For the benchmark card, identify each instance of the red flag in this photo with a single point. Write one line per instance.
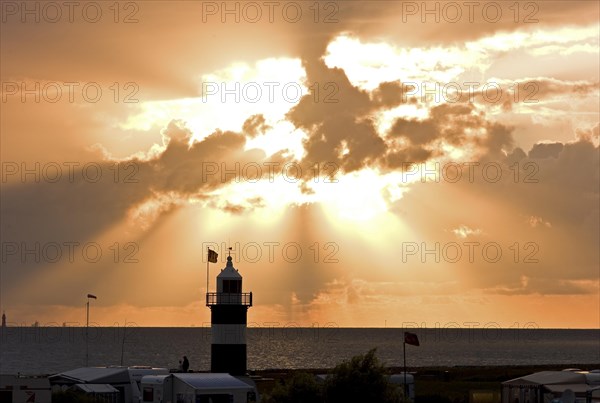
(212, 256)
(92, 296)
(411, 338)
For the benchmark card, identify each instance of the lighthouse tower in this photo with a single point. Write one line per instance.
(229, 313)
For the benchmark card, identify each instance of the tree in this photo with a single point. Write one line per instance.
(362, 379)
(300, 388)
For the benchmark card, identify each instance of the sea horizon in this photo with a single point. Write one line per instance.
(40, 350)
(129, 325)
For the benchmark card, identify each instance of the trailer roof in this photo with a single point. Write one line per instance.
(94, 374)
(154, 378)
(212, 381)
(575, 387)
(549, 378)
(96, 388)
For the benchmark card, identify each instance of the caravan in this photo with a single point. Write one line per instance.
(126, 380)
(197, 388)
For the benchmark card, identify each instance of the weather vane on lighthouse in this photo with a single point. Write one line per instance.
(229, 317)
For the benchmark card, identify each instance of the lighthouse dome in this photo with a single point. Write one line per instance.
(229, 272)
(229, 280)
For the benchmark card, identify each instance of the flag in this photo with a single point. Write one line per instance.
(212, 256)
(91, 296)
(411, 338)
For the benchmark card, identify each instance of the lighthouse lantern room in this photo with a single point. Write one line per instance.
(229, 313)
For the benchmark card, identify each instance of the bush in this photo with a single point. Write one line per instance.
(300, 388)
(362, 379)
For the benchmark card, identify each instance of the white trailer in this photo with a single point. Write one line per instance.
(137, 373)
(157, 389)
(196, 388)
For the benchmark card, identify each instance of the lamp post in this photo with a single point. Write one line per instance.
(87, 327)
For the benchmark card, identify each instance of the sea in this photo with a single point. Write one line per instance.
(49, 350)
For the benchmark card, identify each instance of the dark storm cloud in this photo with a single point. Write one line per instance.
(545, 150)
(343, 132)
(416, 131)
(391, 93)
(447, 122)
(399, 159)
(340, 130)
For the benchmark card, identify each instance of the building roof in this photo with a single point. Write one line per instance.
(212, 381)
(229, 272)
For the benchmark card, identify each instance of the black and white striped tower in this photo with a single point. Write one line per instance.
(229, 313)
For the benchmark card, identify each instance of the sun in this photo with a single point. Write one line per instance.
(354, 196)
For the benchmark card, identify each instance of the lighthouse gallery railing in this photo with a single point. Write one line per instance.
(225, 298)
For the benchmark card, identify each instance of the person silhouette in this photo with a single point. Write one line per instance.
(186, 364)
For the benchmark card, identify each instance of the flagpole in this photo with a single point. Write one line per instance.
(405, 368)
(207, 263)
(87, 326)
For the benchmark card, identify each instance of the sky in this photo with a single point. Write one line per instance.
(369, 164)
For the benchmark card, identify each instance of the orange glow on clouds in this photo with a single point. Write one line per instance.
(372, 243)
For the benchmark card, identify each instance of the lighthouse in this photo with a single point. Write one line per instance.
(229, 318)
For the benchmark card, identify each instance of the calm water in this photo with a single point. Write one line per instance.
(54, 349)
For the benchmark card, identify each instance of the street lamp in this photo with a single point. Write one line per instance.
(87, 326)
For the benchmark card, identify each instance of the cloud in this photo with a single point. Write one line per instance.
(340, 120)
(464, 231)
(542, 286)
(87, 201)
(535, 221)
(343, 132)
(254, 125)
(339, 128)
(544, 212)
(546, 150)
